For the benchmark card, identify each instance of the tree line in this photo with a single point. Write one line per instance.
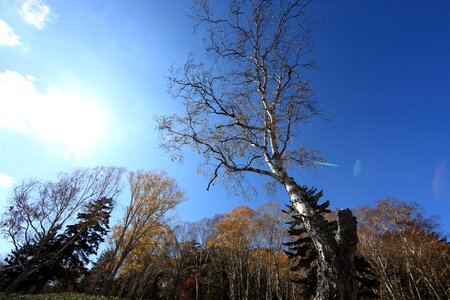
(63, 241)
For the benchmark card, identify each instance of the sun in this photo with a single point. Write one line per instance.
(51, 114)
(74, 121)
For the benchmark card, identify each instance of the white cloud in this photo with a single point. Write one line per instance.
(35, 12)
(52, 114)
(6, 181)
(7, 35)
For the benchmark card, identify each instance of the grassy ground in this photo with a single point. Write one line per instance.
(62, 296)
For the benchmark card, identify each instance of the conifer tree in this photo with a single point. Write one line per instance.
(84, 238)
(62, 258)
(302, 249)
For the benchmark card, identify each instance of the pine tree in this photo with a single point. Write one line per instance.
(62, 257)
(84, 238)
(302, 249)
(27, 257)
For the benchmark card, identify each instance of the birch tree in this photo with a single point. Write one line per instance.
(244, 107)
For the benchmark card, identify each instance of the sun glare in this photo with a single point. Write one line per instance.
(52, 115)
(71, 120)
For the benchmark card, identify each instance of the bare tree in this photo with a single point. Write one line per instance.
(39, 210)
(244, 110)
(420, 267)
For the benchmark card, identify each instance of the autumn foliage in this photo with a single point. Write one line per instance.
(409, 257)
(247, 253)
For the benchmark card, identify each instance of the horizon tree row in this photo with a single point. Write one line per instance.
(57, 228)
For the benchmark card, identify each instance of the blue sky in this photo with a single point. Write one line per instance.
(81, 82)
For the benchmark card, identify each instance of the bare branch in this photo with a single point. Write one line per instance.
(242, 112)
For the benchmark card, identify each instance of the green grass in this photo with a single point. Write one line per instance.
(61, 296)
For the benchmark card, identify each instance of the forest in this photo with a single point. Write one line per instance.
(245, 113)
(63, 242)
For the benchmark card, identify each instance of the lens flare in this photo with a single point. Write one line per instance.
(326, 164)
(357, 168)
(439, 180)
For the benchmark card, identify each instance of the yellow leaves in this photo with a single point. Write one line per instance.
(244, 228)
(218, 133)
(142, 253)
(236, 230)
(400, 243)
(153, 195)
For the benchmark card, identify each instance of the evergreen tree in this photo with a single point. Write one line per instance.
(28, 257)
(302, 249)
(83, 239)
(61, 257)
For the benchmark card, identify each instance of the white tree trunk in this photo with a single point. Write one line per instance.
(336, 268)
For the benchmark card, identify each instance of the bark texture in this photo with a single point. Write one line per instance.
(336, 270)
(336, 273)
